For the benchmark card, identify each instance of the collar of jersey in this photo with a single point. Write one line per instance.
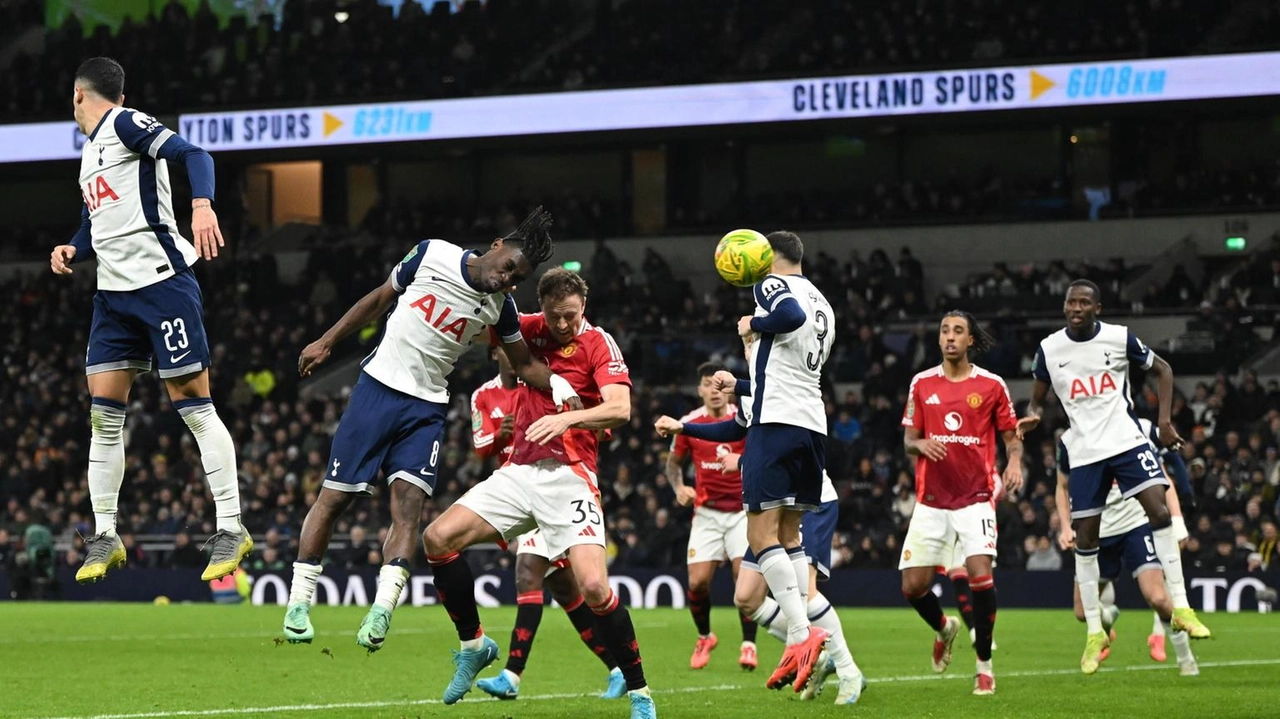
(1097, 329)
(466, 274)
(99, 125)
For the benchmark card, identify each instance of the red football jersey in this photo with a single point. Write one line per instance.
(716, 488)
(490, 404)
(591, 361)
(965, 417)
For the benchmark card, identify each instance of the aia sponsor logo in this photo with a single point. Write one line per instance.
(97, 192)
(1092, 385)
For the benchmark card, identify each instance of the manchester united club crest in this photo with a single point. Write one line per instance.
(568, 350)
(975, 400)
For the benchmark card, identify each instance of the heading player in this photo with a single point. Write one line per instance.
(719, 531)
(790, 338)
(751, 592)
(953, 414)
(549, 483)
(1124, 538)
(148, 304)
(1087, 364)
(493, 414)
(444, 296)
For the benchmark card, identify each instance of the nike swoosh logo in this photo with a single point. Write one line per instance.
(425, 473)
(178, 358)
(1064, 364)
(295, 630)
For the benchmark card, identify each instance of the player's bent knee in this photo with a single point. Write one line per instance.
(747, 602)
(596, 590)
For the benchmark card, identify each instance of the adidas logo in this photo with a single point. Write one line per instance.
(588, 532)
(497, 413)
(933, 399)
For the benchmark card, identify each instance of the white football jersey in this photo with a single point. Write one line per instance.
(437, 317)
(126, 190)
(1091, 379)
(1119, 515)
(786, 369)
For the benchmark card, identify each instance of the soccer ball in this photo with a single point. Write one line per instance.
(743, 257)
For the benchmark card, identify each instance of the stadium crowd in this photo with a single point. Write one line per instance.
(361, 51)
(664, 329)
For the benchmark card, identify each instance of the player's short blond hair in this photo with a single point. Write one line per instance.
(558, 283)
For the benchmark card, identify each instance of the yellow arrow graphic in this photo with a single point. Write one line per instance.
(1039, 85)
(331, 123)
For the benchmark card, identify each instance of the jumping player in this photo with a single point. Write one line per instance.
(719, 531)
(790, 338)
(148, 305)
(751, 592)
(444, 296)
(953, 414)
(1124, 538)
(549, 483)
(493, 414)
(1087, 364)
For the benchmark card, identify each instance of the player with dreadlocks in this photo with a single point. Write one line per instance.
(952, 416)
(395, 420)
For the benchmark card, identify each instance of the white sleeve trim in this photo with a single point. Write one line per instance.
(514, 337)
(163, 137)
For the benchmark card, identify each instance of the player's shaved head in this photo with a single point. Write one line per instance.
(786, 245)
(1089, 285)
(103, 77)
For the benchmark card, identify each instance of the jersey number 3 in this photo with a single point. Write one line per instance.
(814, 360)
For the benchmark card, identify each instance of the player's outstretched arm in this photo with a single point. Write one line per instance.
(539, 376)
(1039, 391)
(614, 410)
(685, 495)
(1013, 454)
(916, 445)
(364, 311)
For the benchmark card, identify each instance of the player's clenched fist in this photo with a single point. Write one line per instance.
(724, 381)
(60, 259)
(667, 426)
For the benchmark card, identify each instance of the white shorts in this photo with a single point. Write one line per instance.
(937, 536)
(557, 498)
(717, 536)
(532, 543)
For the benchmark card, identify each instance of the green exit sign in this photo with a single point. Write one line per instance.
(1236, 244)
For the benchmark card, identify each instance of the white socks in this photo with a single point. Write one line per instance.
(780, 574)
(106, 462)
(391, 581)
(1087, 575)
(303, 587)
(1157, 626)
(1171, 562)
(1181, 642)
(824, 616)
(218, 456)
(770, 616)
(800, 562)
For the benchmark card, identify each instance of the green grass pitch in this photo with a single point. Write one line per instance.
(143, 661)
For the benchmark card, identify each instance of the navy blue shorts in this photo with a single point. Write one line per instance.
(817, 530)
(164, 321)
(1134, 470)
(782, 467)
(388, 430)
(1135, 549)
